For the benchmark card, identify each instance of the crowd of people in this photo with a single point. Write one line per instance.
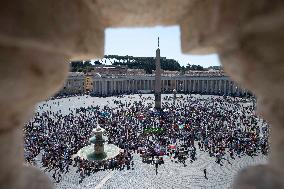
(223, 127)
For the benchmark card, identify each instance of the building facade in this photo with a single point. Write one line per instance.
(107, 85)
(74, 84)
(213, 85)
(110, 70)
(88, 83)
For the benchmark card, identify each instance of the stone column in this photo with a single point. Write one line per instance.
(203, 86)
(197, 85)
(124, 85)
(100, 87)
(215, 86)
(131, 85)
(119, 86)
(142, 84)
(211, 86)
(136, 85)
(106, 87)
(128, 86)
(223, 87)
(113, 86)
(110, 87)
(220, 89)
(230, 87)
(207, 86)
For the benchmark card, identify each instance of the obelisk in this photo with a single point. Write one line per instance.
(158, 80)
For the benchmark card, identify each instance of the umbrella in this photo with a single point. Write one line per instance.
(172, 147)
(105, 114)
(141, 116)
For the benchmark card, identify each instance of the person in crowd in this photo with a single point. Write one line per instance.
(222, 127)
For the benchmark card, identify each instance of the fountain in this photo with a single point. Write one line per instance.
(98, 150)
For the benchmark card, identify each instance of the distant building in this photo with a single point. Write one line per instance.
(205, 73)
(88, 84)
(110, 70)
(74, 83)
(193, 82)
(135, 72)
(215, 68)
(167, 72)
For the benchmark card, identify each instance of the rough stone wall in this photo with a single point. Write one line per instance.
(38, 38)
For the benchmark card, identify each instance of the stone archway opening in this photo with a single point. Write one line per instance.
(38, 38)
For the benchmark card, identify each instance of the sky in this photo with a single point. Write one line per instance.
(143, 42)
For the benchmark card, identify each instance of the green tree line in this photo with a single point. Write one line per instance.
(146, 63)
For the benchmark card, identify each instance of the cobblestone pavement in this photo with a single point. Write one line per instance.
(170, 175)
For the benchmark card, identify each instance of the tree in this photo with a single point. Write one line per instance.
(80, 66)
(97, 62)
(194, 67)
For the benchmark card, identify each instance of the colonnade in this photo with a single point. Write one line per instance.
(219, 85)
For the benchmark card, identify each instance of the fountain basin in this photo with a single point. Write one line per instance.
(88, 153)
